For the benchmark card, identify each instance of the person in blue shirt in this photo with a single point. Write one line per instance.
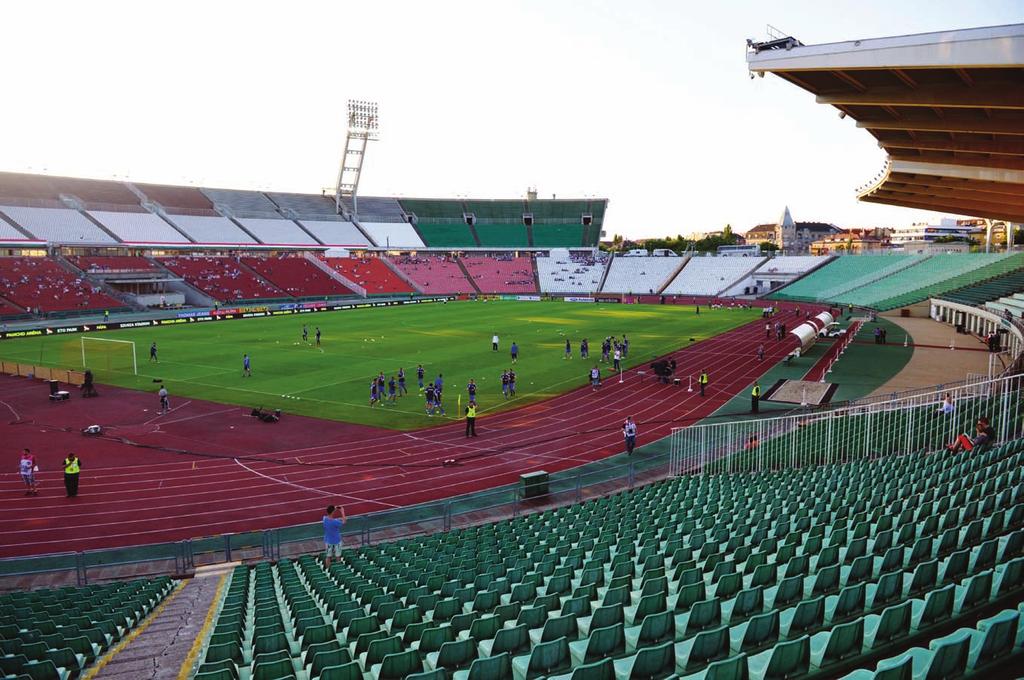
(333, 520)
(391, 389)
(246, 366)
(152, 353)
(401, 382)
(438, 383)
(419, 375)
(515, 352)
(471, 389)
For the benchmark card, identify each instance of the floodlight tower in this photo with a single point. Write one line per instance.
(362, 128)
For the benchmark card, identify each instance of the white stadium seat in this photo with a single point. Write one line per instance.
(639, 275)
(138, 227)
(57, 225)
(392, 234)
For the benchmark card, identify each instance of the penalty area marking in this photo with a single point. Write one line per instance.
(311, 489)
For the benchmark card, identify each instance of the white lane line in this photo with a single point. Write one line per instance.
(313, 490)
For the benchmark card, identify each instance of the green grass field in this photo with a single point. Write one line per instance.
(204, 360)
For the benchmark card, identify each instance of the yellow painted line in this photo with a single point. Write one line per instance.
(186, 665)
(125, 641)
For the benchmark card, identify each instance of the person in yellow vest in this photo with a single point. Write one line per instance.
(72, 468)
(755, 396)
(471, 420)
(703, 381)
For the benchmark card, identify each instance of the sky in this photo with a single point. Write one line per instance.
(647, 103)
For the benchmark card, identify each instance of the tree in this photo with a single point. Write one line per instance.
(768, 247)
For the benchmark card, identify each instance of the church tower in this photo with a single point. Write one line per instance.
(785, 232)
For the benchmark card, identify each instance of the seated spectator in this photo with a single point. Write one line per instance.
(984, 436)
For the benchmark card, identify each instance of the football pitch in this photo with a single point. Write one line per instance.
(204, 360)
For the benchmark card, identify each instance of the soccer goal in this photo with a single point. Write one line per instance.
(110, 355)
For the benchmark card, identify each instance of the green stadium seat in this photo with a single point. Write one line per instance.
(325, 659)
(946, 657)
(220, 674)
(900, 668)
(497, 667)
(378, 649)
(701, 649)
(546, 658)
(733, 668)
(655, 629)
(755, 632)
(839, 644)
(453, 656)
(784, 660)
(598, 670)
(44, 670)
(512, 640)
(397, 665)
(994, 639)
(348, 671)
(602, 617)
(648, 663)
(602, 643)
(273, 670)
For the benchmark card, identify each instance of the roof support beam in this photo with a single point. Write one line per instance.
(1003, 148)
(995, 163)
(995, 213)
(979, 126)
(944, 169)
(905, 78)
(981, 187)
(939, 193)
(850, 80)
(1008, 95)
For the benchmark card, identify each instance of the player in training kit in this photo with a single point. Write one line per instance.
(511, 383)
(504, 384)
(373, 392)
(429, 394)
(305, 333)
(568, 349)
(391, 390)
(471, 389)
(246, 366)
(401, 382)
(318, 336)
(419, 375)
(437, 401)
(152, 353)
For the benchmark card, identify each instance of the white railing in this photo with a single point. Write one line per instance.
(907, 424)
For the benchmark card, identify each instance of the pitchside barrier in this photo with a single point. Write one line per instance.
(906, 424)
(42, 372)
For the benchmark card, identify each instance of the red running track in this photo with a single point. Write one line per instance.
(231, 473)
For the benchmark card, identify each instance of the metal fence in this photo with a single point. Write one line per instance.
(910, 423)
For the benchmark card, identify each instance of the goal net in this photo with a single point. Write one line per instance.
(109, 355)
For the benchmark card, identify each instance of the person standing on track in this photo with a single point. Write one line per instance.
(27, 467)
(72, 469)
(760, 352)
(702, 380)
(767, 330)
(629, 433)
(165, 401)
(471, 419)
(755, 397)
(595, 378)
(333, 520)
(617, 358)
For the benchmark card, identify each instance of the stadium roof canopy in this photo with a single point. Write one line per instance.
(947, 107)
